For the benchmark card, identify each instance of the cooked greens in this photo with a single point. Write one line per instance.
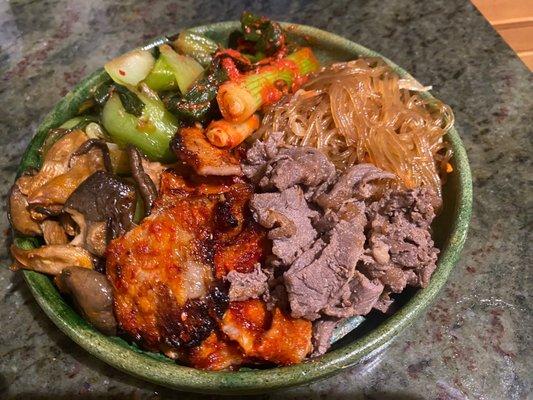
(198, 104)
(151, 131)
(162, 77)
(130, 101)
(267, 35)
(197, 46)
(130, 68)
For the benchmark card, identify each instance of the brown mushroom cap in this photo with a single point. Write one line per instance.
(145, 183)
(94, 144)
(93, 295)
(51, 259)
(103, 206)
(53, 232)
(55, 162)
(18, 213)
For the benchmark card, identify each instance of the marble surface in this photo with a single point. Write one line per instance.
(473, 343)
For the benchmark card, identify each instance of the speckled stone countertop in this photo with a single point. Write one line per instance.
(473, 343)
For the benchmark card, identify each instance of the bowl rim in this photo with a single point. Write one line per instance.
(175, 376)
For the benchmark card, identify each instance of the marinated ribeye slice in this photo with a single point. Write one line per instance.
(357, 182)
(274, 166)
(288, 217)
(319, 278)
(401, 251)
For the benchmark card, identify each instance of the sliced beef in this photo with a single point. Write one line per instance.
(358, 181)
(416, 205)
(317, 281)
(292, 166)
(258, 156)
(385, 302)
(276, 296)
(289, 218)
(364, 294)
(274, 166)
(308, 283)
(358, 297)
(244, 286)
(322, 332)
(351, 210)
(401, 251)
(340, 245)
(396, 279)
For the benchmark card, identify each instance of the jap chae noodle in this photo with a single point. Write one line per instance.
(357, 112)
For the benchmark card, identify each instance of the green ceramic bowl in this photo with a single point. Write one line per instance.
(450, 234)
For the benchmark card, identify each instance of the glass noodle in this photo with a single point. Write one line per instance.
(357, 112)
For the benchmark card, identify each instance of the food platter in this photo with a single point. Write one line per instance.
(450, 232)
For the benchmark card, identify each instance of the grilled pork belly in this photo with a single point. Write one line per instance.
(162, 271)
(191, 146)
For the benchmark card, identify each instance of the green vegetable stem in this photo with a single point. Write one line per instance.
(198, 104)
(239, 99)
(197, 46)
(161, 77)
(150, 130)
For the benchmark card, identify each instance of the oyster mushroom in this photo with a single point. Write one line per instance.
(93, 296)
(66, 163)
(51, 259)
(53, 232)
(69, 225)
(94, 144)
(154, 170)
(55, 162)
(19, 215)
(103, 207)
(144, 181)
(56, 191)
